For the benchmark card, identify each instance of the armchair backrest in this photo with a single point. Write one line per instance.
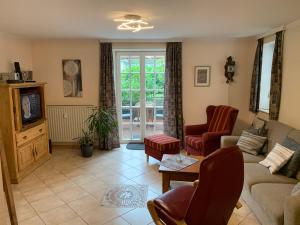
(220, 185)
(221, 118)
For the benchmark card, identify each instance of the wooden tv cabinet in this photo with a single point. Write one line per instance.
(26, 146)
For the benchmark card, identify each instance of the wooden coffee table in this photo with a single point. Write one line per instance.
(189, 173)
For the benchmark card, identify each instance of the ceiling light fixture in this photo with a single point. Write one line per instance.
(133, 23)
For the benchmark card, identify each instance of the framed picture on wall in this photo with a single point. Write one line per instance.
(72, 77)
(202, 76)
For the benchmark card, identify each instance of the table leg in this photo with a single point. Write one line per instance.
(147, 158)
(166, 178)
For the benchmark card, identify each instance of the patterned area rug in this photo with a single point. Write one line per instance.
(125, 196)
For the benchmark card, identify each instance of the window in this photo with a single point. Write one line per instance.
(265, 83)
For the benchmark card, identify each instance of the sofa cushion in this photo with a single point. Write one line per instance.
(276, 133)
(296, 190)
(256, 173)
(270, 198)
(277, 158)
(292, 167)
(251, 143)
(248, 158)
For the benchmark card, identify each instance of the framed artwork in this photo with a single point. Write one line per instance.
(202, 76)
(72, 77)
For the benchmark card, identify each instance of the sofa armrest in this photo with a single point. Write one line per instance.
(227, 141)
(292, 210)
(195, 129)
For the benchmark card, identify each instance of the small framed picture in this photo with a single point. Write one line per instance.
(202, 76)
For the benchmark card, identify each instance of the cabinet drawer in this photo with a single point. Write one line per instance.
(30, 134)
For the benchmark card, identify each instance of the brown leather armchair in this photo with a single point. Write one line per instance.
(212, 200)
(203, 139)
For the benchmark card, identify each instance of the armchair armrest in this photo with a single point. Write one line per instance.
(195, 184)
(212, 141)
(227, 141)
(195, 129)
(214, 136)
(292, 210)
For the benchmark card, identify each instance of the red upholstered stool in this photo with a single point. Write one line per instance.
(160, 144)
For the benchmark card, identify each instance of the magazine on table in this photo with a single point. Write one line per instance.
(178, 162)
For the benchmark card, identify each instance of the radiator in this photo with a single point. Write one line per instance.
(67, 121)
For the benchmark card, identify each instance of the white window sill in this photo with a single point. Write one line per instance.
(264, 111)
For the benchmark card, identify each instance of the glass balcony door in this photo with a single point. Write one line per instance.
(140, 94)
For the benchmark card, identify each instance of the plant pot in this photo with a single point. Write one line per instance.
(86, 150)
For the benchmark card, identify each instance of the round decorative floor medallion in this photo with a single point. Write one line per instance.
(128, 196)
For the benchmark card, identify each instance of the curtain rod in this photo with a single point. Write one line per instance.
(271, 32)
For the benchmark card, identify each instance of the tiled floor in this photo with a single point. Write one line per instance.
(67, 190)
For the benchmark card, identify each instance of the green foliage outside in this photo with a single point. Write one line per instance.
(130, 77)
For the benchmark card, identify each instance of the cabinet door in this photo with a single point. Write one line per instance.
(40, 147)
(25, 156)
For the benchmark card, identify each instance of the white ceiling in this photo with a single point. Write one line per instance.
(172, 18)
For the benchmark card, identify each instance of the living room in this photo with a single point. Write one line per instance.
(151, 79)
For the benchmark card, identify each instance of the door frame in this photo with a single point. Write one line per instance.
(141, 53)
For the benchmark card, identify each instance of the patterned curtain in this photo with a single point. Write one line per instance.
(107, 92)
(256, 76)
(276, 77)
(173, 117)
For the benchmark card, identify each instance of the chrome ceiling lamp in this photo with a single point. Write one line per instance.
(133, 23)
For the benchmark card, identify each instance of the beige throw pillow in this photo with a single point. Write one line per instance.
(277, 158)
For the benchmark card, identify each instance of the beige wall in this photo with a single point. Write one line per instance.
(14, 49)
(290, 100)
(214, 53)
(47, 66)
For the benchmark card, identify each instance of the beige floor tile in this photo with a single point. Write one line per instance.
(99, 215)
(30, 186)
(138, 216)
(47, 204)
(79, 184)
(96, 188)
(32, 221)
(25, 212)
(117, 221)
(72, 194)
(84, 204)
(156, 187)
(62, 186)
(58, 215)
(250, 220)
(19, 198)
(235, 219)
(82, 179)
(131, 173)
(76, 221)
(37, 194)
(116, 179)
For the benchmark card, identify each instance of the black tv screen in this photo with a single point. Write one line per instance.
(30, 107)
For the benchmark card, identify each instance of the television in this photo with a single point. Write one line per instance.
(30, 101)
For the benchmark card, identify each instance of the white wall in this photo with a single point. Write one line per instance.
(290, 98)
(214, 53)
(14, 49)
(47, 66)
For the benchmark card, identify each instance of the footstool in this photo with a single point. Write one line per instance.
(158, 145)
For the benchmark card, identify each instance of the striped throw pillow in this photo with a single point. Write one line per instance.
(251, 143)
(277, 158)
(296, 189)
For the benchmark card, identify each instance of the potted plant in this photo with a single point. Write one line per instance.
(86, 143)
(102, 122)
